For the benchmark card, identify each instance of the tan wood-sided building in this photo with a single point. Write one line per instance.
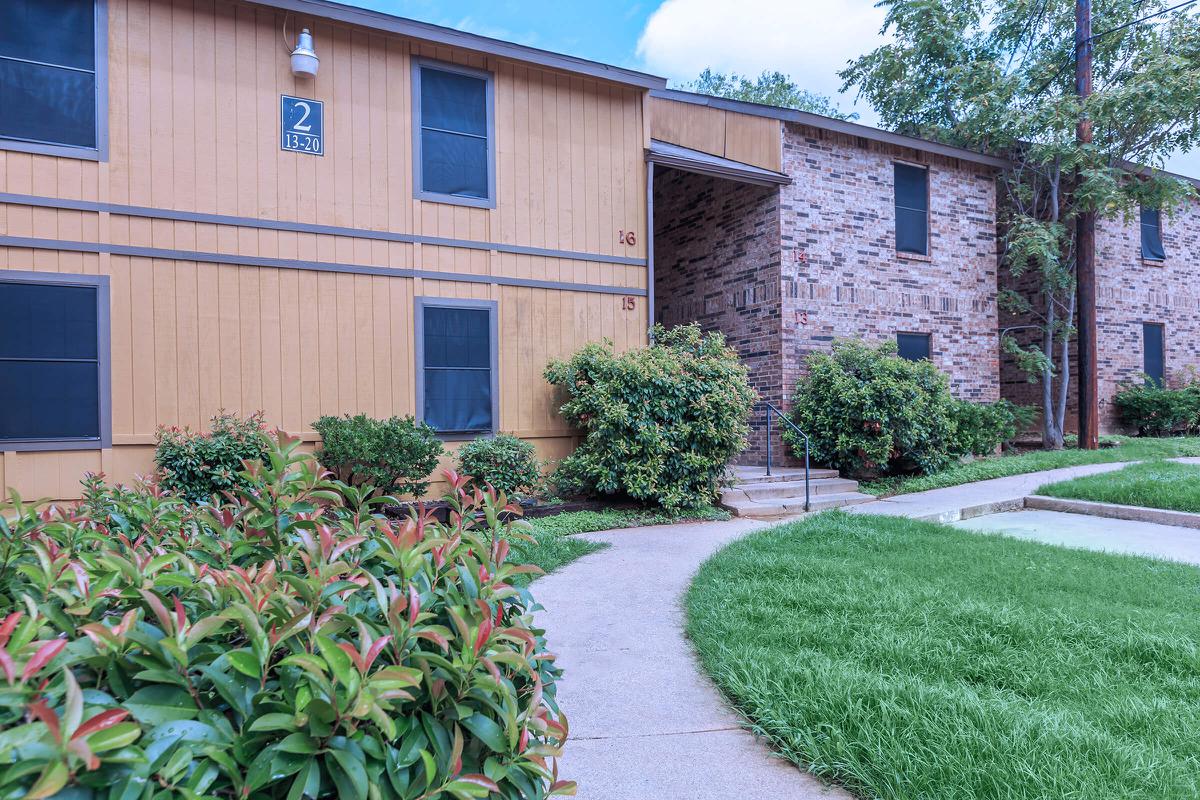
(186, 226)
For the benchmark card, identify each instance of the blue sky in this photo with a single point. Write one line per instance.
(808, 39)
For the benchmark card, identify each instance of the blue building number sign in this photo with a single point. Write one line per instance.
(303, 125)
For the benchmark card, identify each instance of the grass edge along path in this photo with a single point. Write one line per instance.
(556, 544)
(1152, 484)
(905, 659)
(1003, 466)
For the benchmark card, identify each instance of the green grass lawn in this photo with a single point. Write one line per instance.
(982, 469)
(1157, 484)
(555, 544)
(911, 660)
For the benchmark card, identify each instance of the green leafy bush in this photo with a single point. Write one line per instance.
(867, 410)
(504, 462)
(198, 465)
(287, 643)
(660, 422)
(1156, 411)
(394, 456)
(980, 428)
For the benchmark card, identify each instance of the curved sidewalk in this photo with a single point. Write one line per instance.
(646, 724)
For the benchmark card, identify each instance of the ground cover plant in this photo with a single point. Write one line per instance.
(284, 643)
(912, 660)
(1003, 466)
(659, 423)
(1155, 484)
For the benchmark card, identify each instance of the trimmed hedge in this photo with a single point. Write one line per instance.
(198, 465)
(289, 643)
(869, 412)
(393, 456)
(504, 462)
(1156, 411)
(660, 422)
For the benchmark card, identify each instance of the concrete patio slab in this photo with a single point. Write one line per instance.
(1092, 533)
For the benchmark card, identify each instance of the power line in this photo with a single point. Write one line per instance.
(1142, 19)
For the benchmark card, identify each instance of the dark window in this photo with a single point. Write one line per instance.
(912, 209)
(913, 346)
(50, 362)
(48, 71)
(457, 362)
(454, 118)
(1153, 362)
(1152, 243)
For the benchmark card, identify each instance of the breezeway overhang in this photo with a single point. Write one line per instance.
(676, 156)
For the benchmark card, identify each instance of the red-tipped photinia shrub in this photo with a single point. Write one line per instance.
(291, 643)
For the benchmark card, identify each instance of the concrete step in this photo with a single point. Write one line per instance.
(791, 506)
(781, 489)
(740, 474)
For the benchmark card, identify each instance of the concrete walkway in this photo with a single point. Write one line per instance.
(1093, 533)
(646, 724)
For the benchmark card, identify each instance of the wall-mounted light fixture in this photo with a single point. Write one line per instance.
(304, 57)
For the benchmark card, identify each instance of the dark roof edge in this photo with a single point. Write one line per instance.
(1141, 169)
(830, 124)
(470, 41)
(690, 160)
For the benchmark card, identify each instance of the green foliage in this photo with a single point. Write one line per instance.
(981, 428)
(660, 422)
(288, 643)
(906, 660)
(197, 465)
(1153, 484)
(865, 409)
(571, 522)
(769, 88)
(982, 469)
(394, 456)
(504, 462)
(995, 75)
(1156, 411)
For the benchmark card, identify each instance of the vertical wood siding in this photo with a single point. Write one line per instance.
(193, 125)
(741, 137)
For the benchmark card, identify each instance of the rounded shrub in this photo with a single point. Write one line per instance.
(660, 422)
(393, 456)
(289, 643)
(981, 428)
(867, 410)
(197, 465)
(504, 462)
(1156, 411)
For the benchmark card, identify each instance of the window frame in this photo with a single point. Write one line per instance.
(928, 341)
(419, 191)
(1162, 346)
(1142, 235)
(490, 306)
(928, 211)
(103, 361)
(100, 151)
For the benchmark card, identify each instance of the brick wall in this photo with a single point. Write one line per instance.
(1130, 292)
(842, 276)
(716, 262)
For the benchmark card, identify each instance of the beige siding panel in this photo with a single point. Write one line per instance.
(689, 125)
(754, 140)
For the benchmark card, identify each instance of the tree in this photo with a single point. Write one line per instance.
(769, 88)
(997, 75)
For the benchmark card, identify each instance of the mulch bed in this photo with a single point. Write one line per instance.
(531, 509)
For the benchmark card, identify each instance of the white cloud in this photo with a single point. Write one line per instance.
(808, 39)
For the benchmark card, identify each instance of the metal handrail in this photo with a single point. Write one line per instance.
(772, 409)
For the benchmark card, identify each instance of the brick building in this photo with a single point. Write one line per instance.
(1147, 310)
(783, 233)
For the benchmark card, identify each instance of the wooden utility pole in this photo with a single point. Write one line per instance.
(1085, 246)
